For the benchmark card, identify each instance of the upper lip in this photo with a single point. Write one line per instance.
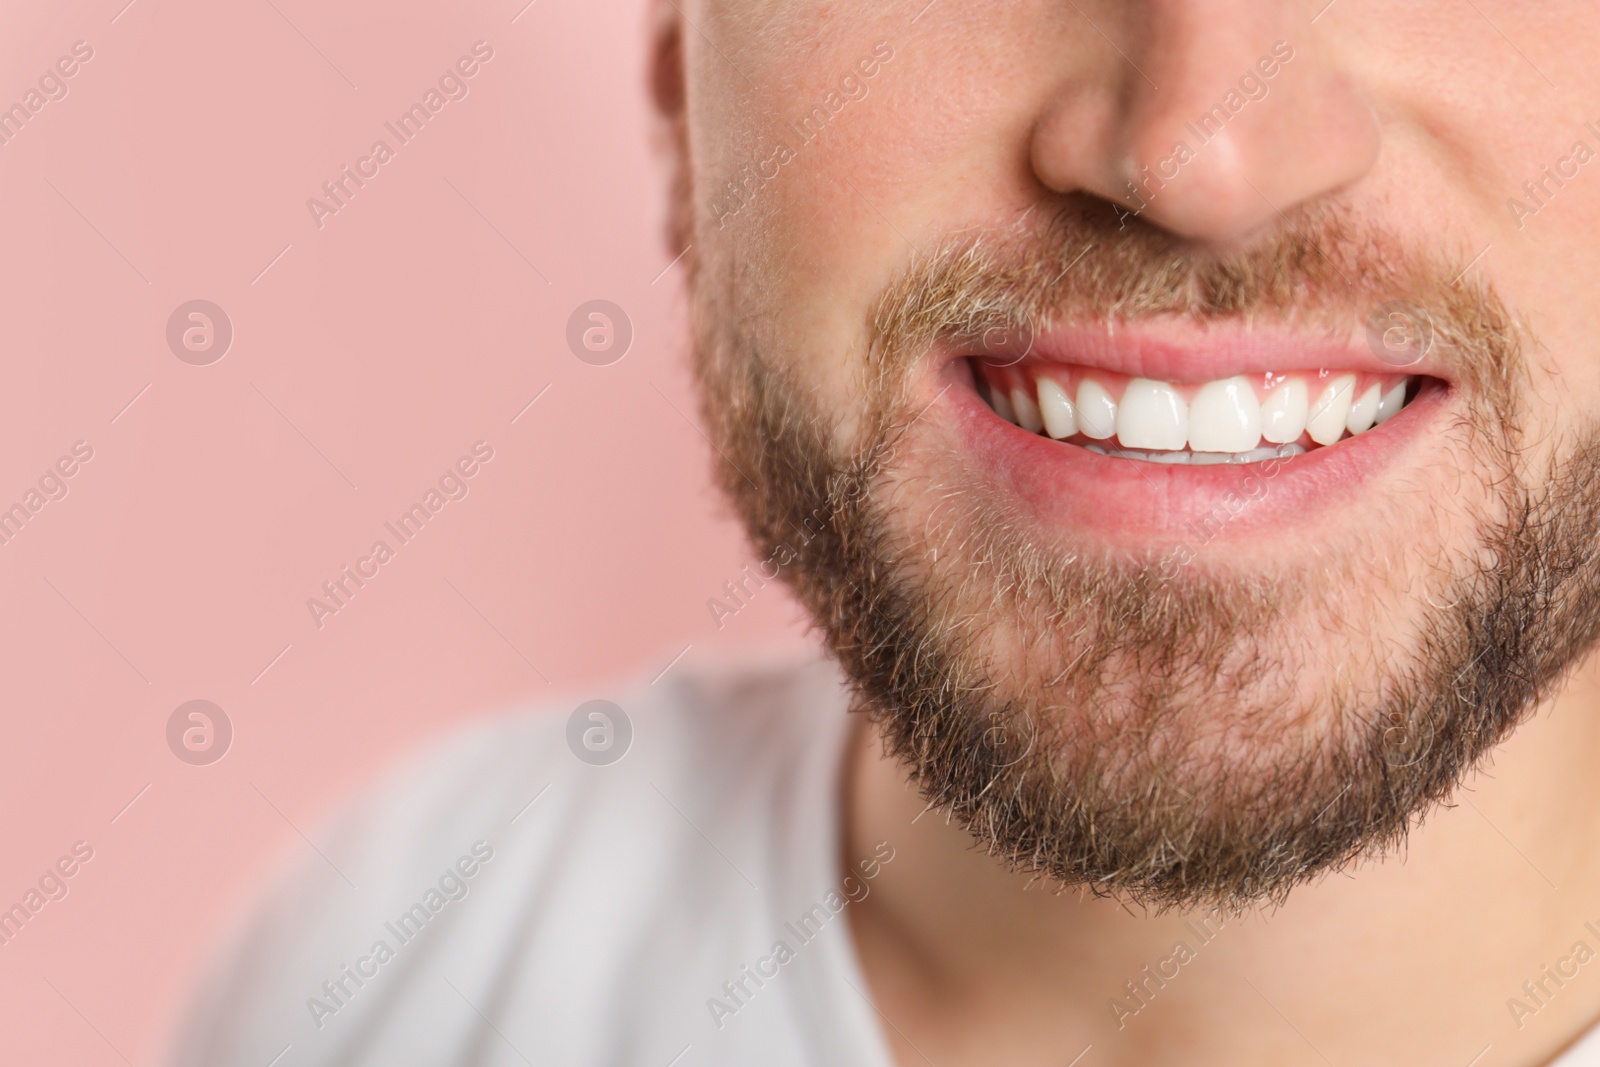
(1188, 352)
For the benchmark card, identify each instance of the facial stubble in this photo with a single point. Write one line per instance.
(1111, 722)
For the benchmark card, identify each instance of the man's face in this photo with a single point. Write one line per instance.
(1199, 399)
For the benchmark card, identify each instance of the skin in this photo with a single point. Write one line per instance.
(1425, 117)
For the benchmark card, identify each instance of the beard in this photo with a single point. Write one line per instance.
(1207, 734)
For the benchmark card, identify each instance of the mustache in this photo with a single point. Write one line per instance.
(1090, 262)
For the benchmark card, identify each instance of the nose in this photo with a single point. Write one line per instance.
(1222, 117)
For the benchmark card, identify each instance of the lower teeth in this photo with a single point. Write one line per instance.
(1200, 459)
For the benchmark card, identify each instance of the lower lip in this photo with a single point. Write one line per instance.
(1136, 504)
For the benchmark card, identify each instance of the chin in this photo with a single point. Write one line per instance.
(1188, 608)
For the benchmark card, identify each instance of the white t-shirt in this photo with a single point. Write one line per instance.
(504, 903)
(596, 926)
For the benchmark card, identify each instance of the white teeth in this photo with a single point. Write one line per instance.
(1060, 419)
(1224, 423)
(1283, 415)
(1363, 411)
(1200, 459)
(1225, 417)
(1153, 416)
(1391, 402)
(1027, 411)
(1001, 405)
(1097, 412)
(1332, 409)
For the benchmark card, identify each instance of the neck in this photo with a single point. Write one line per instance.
(1484, 932)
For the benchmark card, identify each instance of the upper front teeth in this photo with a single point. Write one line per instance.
(1391, 402)
(1059, 415)
(1225, 416)
(1364, 412)
(1097, 412)
(1022, 403)
(1283, 413)
(1233, 416)
(1152, 415)
(1331, 412)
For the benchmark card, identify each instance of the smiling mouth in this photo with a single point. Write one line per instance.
(1244, 418)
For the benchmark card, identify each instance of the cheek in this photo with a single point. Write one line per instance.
(1545, 272)
(922, 155)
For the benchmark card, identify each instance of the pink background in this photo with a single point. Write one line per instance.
(365, 360)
